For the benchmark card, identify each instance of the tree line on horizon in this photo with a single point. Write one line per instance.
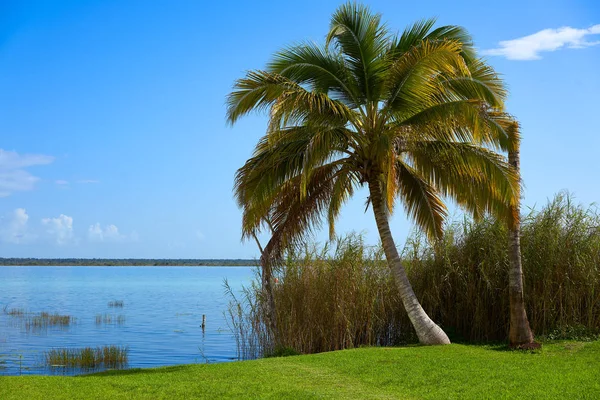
(126, 262)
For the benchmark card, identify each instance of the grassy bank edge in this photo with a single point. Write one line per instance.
(559, 370)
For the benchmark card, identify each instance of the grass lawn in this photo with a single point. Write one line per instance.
(563, 370)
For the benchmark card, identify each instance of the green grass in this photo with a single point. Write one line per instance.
(560, 370)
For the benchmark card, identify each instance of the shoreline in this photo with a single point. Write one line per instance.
(114, 262)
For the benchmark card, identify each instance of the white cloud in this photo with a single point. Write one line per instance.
(13, 176)
(110, 233)
(530, 47)
(61, 228)
(61, 182)
(13, 227)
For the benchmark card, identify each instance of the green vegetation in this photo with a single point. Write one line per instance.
(415, 118)
(109, 319)
(45, 320)
(344, 297)
(327, 299)
(87, 358)
(15, 312)
(558, 371)
(463, 279)
(126, 262)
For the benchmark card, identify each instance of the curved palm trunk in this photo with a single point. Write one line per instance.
(266, 264)
(520, 332)
(427, 331)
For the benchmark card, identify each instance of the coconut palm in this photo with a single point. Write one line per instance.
(415, 117)
(520, 334)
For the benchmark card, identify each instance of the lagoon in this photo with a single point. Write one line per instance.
(160, 321)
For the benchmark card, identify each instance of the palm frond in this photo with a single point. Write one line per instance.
(412, 36)
(460, 120)
(324, 71)
(458, 34)
(363, 41)
(483, 83)
(421, 200)
(412, 81)
(476, 178)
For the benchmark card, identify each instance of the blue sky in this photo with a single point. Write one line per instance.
(112, 118)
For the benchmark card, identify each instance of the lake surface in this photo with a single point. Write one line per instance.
(160, 321)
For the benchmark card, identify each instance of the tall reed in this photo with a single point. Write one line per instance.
(324, 302)
(342, 295)
(463, 280)
(88, 357)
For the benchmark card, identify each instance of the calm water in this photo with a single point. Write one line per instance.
(163, 308)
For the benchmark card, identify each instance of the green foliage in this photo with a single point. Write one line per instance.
(462, 281)
(343, 295)
(87, 357)
(580, 333)
(46, 319)
(414, 116)
(40, 321)
(281, 351)
(565, 370)
(327, 298)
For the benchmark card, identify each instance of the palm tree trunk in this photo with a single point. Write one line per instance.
(266, 264)
(520, 333)
(427, 331)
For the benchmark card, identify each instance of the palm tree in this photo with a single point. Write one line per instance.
(290, 216)
(520, 334)
(415, 117)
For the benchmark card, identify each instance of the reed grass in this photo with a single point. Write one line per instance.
(109, 319)
(39, 321)
(324, 303)
(116, 304)
(115, 357)
(343, 295)
(45, 320)
(462, 281)
(15, 312)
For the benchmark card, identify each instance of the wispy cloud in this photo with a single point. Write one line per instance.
(110, 233)
(530, 47)
(88, 181)
(13, 176)
(61, 182)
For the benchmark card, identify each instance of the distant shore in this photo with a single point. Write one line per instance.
(127, 262)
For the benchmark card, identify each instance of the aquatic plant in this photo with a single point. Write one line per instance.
(116, 303)
(88, 357)
(109, 319)
(14, 312)
(45, 320)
